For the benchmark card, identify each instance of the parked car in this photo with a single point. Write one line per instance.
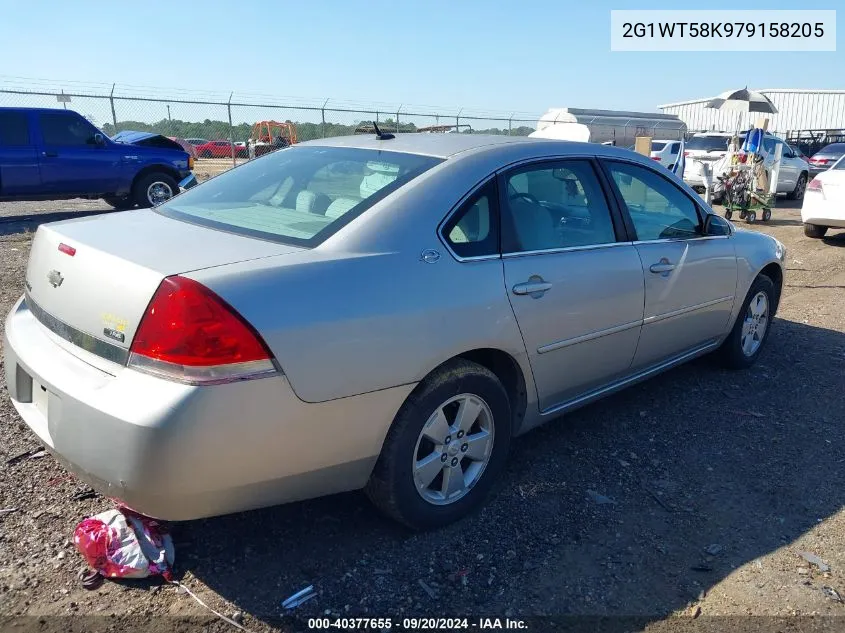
(370, 312)
(665, 152)
(710, 147)
(217, 149)
(825, 157)
(52, 154)
(824, 204)
(185, 145)
(197, 141)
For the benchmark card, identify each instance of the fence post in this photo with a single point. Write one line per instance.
(397, 117)
(510, 122)
(458, 121)
(323, 111)
(231, 130)
(113, 113)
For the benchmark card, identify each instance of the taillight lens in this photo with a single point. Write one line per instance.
(190, 334)
(655, 158)
(686, 153)
(815, 185)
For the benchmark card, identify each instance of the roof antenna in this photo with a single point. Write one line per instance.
(382, 136)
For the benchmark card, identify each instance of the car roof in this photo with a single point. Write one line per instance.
(450, 145)
(439, 145)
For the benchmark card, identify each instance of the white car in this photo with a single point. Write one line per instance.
(665, 152)
(824, 204)
(710, 147)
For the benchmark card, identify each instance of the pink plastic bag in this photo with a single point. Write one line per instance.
(120, 544)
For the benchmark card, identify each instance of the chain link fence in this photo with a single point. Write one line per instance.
(220, 128)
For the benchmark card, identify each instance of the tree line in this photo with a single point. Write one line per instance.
(305, 131)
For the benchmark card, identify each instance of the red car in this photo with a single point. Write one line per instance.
(218, 149)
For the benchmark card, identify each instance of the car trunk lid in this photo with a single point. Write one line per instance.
(89, 280)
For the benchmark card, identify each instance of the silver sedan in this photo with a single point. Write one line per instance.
(370, 312)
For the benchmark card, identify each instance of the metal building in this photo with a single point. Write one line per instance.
(797, 110)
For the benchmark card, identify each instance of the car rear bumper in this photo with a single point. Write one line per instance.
(821, 212)
(179, 452)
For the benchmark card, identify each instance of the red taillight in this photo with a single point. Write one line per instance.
(815, 185)
(67, 250)
(686, 153)
(655, 158)
(190, 334)
(819, 161)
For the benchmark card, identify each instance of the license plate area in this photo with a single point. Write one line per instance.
(40, 398)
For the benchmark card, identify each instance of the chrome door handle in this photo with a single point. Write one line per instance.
(532, 288)
(663, 266)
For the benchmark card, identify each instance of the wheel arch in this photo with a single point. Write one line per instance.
(151, 169)
(774, 271)
(509, 372)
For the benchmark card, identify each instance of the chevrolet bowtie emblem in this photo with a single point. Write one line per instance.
(55, 278)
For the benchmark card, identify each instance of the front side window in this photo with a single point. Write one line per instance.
(658, 209)
(14, 129)
(473, 231)
(300, 195)
(66, 130)
(555, 205)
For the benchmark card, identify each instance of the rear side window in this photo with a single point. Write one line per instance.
(473, 231)
(708, 143)
(14, 129)
(555, 205)
(66, 130)
(656, 147)
(299, 195)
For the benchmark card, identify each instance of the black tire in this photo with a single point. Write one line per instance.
(767, 215)
(729, 215)
(392, 488)
(751, 217)
(800, 188)
(143, 183)
(730, 353)
(815, 231)
(121, 203)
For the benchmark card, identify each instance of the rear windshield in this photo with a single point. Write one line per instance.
(657, 146)
(299, 195)
(708, 143)
(834, 148)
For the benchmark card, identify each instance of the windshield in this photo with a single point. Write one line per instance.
(299, 195)
(708, 143)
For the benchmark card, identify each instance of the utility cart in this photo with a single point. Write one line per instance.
(743, 195)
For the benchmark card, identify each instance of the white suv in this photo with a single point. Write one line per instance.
(710, 147)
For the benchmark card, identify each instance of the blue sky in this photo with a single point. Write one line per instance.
(521, 56)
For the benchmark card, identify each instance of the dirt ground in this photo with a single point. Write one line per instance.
(712, 484)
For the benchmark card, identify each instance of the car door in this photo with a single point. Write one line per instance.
(690, 278)
(574, 281)
(793, 164)
(72, 162)
(19, 172)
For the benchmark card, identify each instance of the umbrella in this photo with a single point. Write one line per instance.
(744, 100)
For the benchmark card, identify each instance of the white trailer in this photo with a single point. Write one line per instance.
(610, 127)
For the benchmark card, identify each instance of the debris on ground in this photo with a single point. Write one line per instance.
(701, 568)
(831, 593)
(713, 550)
(299, 598)
(8, 510)
(694, 611)
(599, 498)
(24, 455)
(38, 454)
(427, 589)
(814, 560)
(85, 494)
(90, 579)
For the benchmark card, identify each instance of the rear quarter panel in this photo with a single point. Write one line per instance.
(359, 322)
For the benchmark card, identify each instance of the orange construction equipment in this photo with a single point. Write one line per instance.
(270, 135)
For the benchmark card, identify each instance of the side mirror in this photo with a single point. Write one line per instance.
(99, 140)
(715, 225)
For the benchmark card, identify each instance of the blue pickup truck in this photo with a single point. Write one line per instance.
(51, 154)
